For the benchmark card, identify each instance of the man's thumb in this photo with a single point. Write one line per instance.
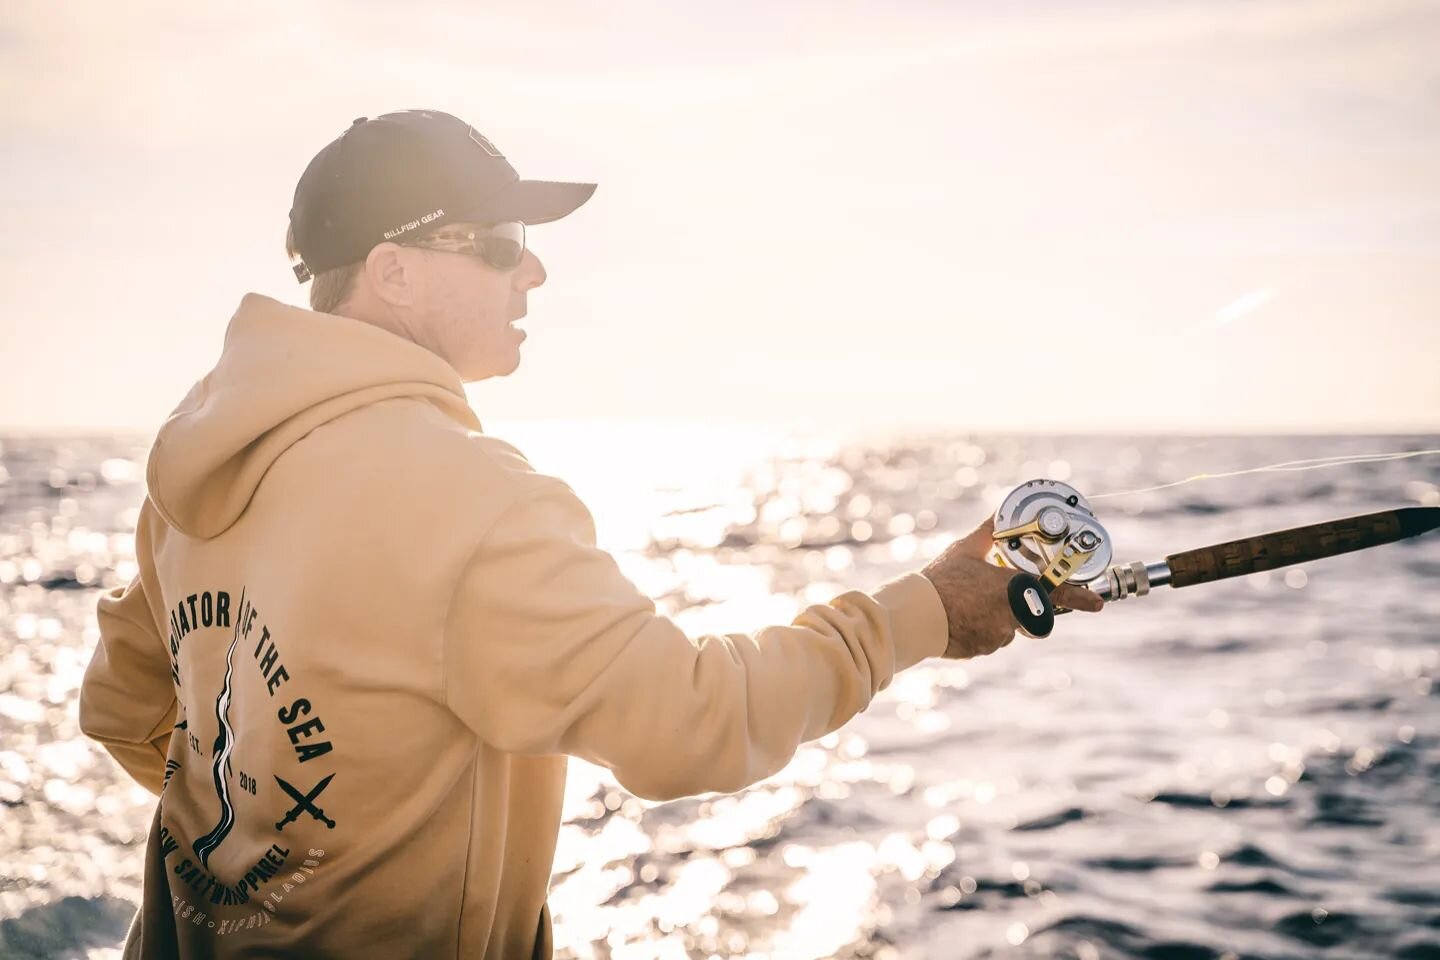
(1076, 597)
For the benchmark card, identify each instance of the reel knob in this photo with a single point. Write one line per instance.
(1031, 605)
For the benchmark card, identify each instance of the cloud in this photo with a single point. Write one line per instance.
(1245, 305)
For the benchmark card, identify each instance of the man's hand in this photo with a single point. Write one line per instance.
(975, 598)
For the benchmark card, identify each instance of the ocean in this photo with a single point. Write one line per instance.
(1241, 769)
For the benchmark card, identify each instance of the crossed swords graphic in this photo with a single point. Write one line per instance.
(304, 803)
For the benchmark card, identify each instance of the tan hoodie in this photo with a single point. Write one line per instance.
(365, 635)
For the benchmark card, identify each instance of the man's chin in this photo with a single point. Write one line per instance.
(490, 374)
(505, 369)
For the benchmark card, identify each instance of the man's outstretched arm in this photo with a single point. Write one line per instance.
(549, 648)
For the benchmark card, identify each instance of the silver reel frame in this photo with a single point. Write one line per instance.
(1038, 520)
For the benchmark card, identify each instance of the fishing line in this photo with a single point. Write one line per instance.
(1287, 466)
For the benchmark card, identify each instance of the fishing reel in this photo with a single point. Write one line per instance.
(1046, 530)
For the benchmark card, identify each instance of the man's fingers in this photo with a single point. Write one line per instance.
(1077, 598)
(977, 542)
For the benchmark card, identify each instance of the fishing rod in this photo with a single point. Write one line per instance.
(1047, 531)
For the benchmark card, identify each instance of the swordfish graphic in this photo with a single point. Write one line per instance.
(224, 746)
(304, 802)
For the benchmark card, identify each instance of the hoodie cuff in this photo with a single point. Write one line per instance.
(917, 618)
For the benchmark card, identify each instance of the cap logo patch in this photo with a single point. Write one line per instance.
(485, 144)
(394, 232)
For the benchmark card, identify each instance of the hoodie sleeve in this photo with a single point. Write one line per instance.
(551, 649)
(127, 699)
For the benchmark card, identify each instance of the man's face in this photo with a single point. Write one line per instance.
(464, 310)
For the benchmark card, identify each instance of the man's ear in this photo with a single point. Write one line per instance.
(392, 274)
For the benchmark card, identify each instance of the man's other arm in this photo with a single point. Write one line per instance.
(127, 699)
(551, 649)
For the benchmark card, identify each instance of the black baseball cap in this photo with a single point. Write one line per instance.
(400, 174)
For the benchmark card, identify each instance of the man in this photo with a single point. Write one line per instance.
(365, 634)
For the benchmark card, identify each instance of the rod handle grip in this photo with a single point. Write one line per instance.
(1031, 604)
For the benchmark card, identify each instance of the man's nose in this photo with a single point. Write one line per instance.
(531, 272)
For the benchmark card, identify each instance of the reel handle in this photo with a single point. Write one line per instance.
(1031, 604)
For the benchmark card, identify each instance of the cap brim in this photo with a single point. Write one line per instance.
(536, 201)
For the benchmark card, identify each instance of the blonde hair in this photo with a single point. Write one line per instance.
(329, 288)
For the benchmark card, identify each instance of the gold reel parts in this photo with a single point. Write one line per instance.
(1047, 529)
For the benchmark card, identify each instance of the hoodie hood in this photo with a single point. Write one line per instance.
(283, 371)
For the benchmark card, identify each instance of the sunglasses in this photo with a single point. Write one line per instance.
(501, 245)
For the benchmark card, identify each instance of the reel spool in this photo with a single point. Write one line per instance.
(1046, 530)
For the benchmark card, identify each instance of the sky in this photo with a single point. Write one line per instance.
(1049, 217)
